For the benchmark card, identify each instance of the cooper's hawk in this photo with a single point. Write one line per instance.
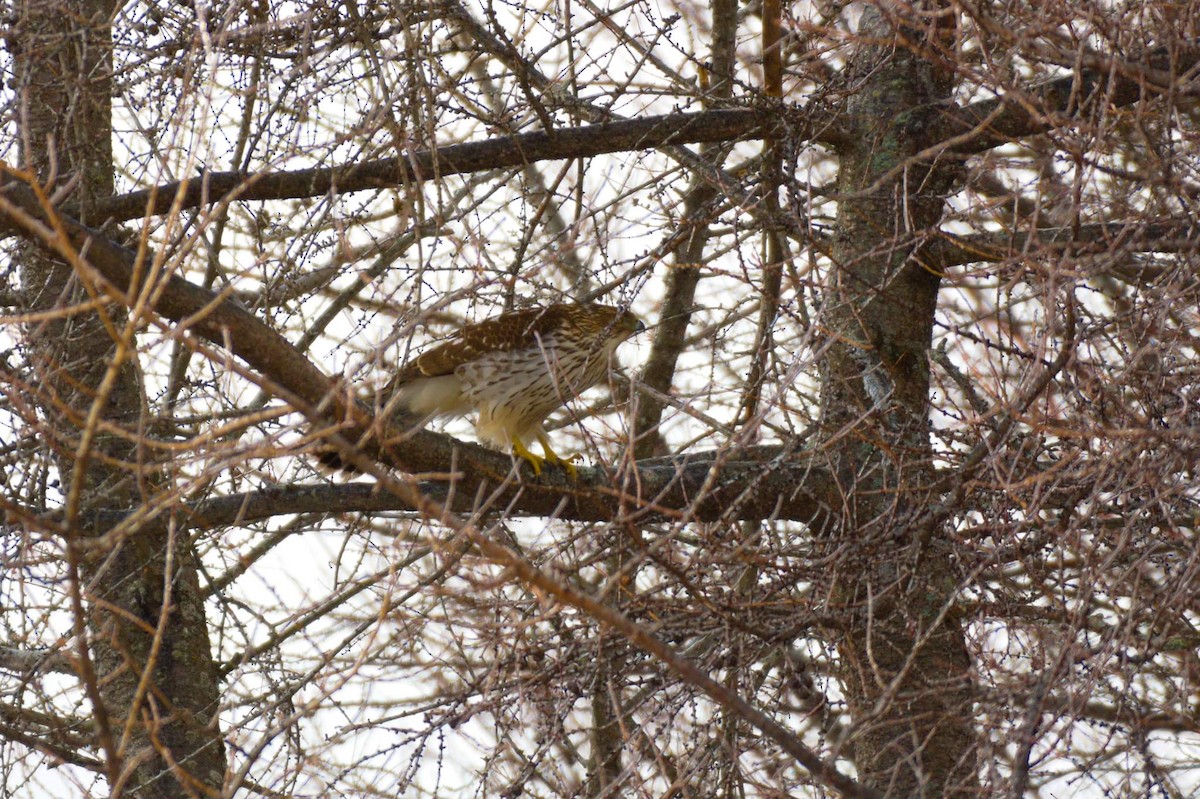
(514, 369)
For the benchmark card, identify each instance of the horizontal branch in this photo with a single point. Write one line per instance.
(663, 490)
(973, 128)
(517, 150)
(686, 487)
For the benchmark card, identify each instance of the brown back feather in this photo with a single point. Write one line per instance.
(511, 331)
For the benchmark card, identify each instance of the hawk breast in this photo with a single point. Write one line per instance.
(519, 388)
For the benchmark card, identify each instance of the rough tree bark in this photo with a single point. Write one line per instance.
(148, 665)
(905, 662)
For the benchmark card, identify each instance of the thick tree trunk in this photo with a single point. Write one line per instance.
(149, 670)
(905, 659)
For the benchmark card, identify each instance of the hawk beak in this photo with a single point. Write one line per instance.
(640, 327)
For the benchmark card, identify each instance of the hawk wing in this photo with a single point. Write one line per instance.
(517, 330)
(442, 380)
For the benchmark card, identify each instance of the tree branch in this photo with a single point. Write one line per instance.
(1000, 120)
(1102, 237)
(697, 487)
(702, 489)
(725, 125)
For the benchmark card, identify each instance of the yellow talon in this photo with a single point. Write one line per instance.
(521, 452)
(553, 459)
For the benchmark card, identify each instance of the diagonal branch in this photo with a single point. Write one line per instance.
(221, 320)
(990, 123)
(697, 487)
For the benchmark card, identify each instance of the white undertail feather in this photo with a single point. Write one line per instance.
(433, 396)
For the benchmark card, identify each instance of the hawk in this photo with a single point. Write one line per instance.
(514, 370)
